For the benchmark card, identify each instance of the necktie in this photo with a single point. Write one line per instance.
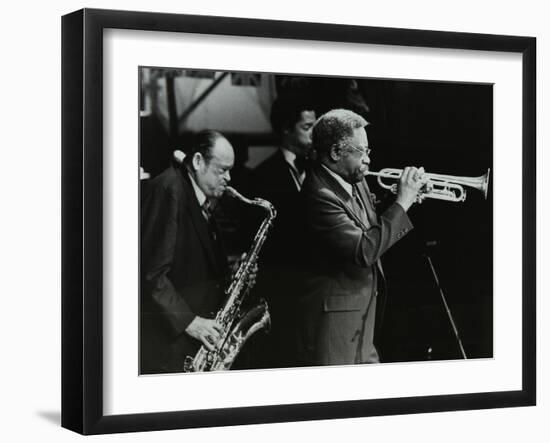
(297, 170)
(207, 210)
(358, 206)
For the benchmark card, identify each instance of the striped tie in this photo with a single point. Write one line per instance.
(358, 206)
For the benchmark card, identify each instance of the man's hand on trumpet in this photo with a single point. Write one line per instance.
(410, 183)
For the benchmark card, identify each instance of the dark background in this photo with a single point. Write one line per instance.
(448, 129)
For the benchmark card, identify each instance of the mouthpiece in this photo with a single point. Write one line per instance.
(232, 192)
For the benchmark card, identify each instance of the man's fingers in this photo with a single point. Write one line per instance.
(405, 176)
(217, 328)
(206, 342)
(210, 339)
(213, 334)
(422, 177)
(413, 174)
(207, 331)
(416, 177)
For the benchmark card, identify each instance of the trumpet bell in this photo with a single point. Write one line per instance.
(480, 183)
(485, 183)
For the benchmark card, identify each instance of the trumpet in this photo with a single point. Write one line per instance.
(439, 186)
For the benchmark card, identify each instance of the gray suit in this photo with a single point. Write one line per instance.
(342, 290)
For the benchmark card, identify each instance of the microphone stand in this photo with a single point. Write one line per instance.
(443, 298)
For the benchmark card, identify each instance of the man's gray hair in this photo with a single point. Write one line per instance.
(335, 128)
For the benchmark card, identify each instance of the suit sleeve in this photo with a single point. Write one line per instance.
(159, 231)
(334, 230)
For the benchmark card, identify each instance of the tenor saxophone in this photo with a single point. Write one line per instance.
(237, 324)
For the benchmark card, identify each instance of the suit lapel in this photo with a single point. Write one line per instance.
(368, 204)
(365, 193)
(342, 195)
(288, 182)
(328, 180)
(321, 175)
(200, 223)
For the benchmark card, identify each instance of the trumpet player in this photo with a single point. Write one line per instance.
(183, 264)
(343, 295)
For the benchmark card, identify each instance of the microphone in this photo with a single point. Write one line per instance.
(429, 246)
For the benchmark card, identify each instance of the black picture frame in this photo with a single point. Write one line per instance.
(82, 218)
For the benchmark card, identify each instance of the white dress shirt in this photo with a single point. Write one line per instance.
(290, 158)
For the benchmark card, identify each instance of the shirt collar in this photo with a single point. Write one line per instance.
(201, 197)
(341, 181)
(289, 156)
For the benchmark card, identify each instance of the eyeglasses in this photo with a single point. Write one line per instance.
(363, 151)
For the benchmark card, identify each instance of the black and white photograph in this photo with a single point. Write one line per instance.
(242, 221)
(291, 221)
(276, 221)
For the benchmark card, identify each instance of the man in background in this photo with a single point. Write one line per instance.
(279, 180)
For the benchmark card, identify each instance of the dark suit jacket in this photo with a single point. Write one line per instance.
(183, 271)
(278, 263)
(273, 181)
(341, 289)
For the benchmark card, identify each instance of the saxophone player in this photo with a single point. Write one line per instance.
(184, 268)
